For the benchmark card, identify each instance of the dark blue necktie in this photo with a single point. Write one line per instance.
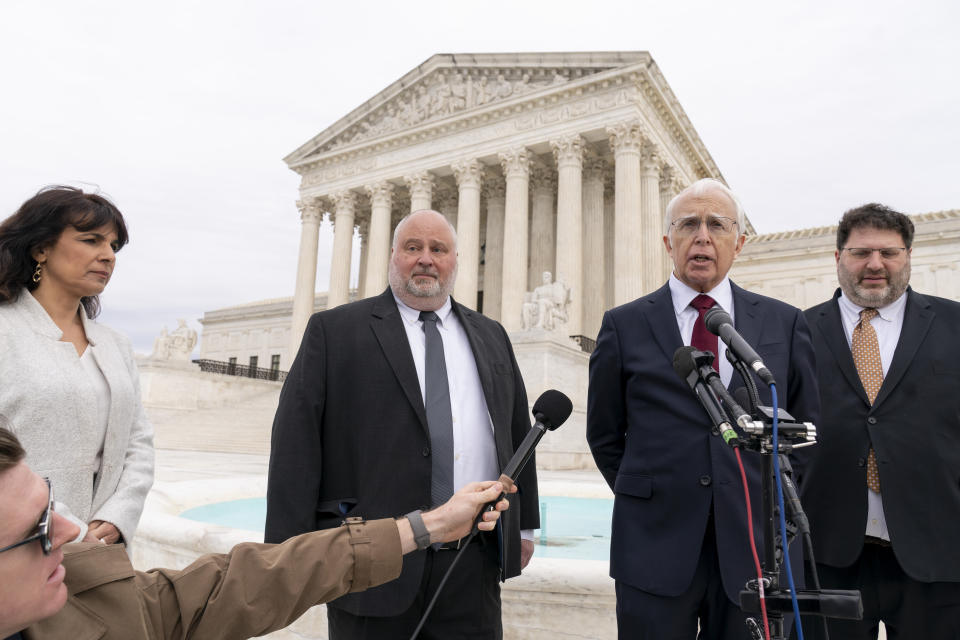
(439, 414)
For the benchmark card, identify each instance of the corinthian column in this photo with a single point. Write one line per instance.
(339, 290)
(651, 223)
(625, 140)
(446, 203)
(669, 187)
(593, 246)
(469, 174)
(569, 154)
(378, 240)
(363, 227)
(495, 190)
(543, 246)
(421, 190)
(310, 217)
(516, 169)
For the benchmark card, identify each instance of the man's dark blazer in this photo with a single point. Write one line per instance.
(350, 436)
(914, 427)
(652, 439)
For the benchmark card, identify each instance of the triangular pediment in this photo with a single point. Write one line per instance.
(447, 85)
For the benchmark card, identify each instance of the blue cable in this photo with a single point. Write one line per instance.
(783, 520)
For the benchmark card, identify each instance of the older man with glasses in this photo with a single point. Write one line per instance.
(88, 590)
(881, 490)
(680, 548)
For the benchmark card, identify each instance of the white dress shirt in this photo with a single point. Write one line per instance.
(888, 324)
(682, 296)
(474, 449)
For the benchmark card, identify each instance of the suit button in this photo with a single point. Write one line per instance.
(861, 462)
(871, 420)
(425, 452)
(714, 431)
(705, 481)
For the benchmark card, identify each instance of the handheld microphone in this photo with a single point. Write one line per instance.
(550, 411)
(719, 323)
(686, 365)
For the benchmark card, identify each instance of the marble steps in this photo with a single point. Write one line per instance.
(242, 427)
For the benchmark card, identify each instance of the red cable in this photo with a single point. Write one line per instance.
(753, 547)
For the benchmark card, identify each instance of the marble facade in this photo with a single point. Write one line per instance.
(539, 160)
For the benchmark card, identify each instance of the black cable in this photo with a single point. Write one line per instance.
(814, 576)
(436, 593)
(750, 383)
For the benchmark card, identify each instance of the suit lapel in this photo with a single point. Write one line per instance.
(388, 327)
(748, 321)
(917, 317)
(482, 351)
(831, 328)
(663, 321)
(748, 315)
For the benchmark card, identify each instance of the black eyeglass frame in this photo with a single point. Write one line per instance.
(44, 527)
(851, 251)
(721, 220)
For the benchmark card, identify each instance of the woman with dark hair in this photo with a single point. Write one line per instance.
(68, 383)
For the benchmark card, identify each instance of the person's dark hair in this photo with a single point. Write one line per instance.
(11, 451)
(39, 222)
(875, 216)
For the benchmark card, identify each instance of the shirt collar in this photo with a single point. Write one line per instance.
(682, 294)
(412, 315)
(889, 312)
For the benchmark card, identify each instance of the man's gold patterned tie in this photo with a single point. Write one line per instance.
(866, 356)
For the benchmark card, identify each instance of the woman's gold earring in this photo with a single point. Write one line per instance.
(38, 272)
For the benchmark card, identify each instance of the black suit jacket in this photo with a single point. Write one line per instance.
(652, 439)
(914, 427)
(350, 436)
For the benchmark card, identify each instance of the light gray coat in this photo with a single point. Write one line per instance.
(51, 406)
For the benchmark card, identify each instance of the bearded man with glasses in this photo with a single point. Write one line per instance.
(680, 548)
(50, 590)
(881, 489)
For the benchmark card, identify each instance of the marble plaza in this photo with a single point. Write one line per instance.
(555, 169)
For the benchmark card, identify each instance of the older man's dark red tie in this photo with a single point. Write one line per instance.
(703, 339)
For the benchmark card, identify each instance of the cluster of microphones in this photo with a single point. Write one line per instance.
(695, 367)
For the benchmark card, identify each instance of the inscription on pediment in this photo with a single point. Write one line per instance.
(450, 91)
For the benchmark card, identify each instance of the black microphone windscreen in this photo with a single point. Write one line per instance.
(742, 396)
(552, 408)
(683, 361)
(715, 317)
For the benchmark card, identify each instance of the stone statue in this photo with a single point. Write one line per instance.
(161, 346)
(546, 306)
(176, 345)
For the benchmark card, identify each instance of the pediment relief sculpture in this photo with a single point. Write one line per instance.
(450, 91)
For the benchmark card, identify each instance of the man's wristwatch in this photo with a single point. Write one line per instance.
(420, 534)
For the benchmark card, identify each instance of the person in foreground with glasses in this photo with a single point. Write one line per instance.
(90, 590)
(679, 547)
(881, 487)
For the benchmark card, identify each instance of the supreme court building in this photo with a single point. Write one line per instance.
(559, 162)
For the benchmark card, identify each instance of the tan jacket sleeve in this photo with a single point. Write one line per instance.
(256, 588)
(250, 591)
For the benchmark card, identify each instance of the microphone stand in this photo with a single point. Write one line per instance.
(758, 437)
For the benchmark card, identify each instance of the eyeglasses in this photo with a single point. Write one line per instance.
(716, 225)
(44, 530)
(862, 253)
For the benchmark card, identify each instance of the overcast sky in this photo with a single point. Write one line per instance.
(182, 112)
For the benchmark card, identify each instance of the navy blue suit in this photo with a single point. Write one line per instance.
(652, 440)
